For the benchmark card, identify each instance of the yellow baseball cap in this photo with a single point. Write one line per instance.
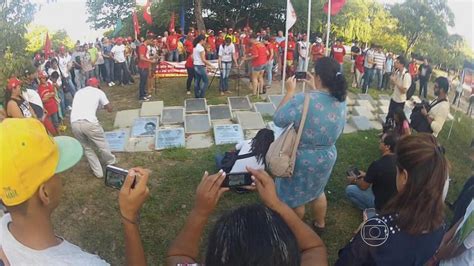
(31, 157)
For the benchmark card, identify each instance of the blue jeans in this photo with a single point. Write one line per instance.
(225, 72)
(211, 55)
(363, 199)
(143, 72)
(218, 159)
(368, 75)
(200, 76)
(301, 63)
(269, 70)
(379, 75)
(109, 69)
(173, 56)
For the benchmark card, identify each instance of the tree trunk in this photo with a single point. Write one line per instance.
(198, 15)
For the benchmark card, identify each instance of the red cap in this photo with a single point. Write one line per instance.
(42, 74)
(130, 39)
(93, 82)
(13, 83)
(119, 40)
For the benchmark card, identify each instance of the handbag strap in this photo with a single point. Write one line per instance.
(301, 127)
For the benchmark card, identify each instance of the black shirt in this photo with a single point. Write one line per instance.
(382, 174)
(354, 49)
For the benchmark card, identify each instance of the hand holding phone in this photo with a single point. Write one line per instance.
(209, 192)
(266, 188)
(300, 75)
(237, 180)
(133, 193)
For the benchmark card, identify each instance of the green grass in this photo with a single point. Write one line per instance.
(88, 214)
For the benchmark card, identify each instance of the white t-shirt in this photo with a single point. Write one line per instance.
(197, 55)
(64, 64)
(467, 257)
(62, 254)
(404, 78)
(226, 52)
(240, 165)
(86, 102)
(119, 53)
(32, 97)
(302, 49)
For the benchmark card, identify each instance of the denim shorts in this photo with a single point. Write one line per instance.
(258, 68)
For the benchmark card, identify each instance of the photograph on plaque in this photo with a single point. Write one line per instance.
(169, 138)
(144, 127)
(228, 134)
(116, 140)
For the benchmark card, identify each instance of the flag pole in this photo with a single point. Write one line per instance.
(328, 27)
(283, 77)
(308, 32)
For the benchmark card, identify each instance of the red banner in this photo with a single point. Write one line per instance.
(172, 22)
(47, 47)
(147, 13)
(136, 26)
(336, 6)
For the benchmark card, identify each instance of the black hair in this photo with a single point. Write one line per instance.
(261, 143)
(443, 83)
(266, 38)
(228, 40)
(328, 70)
(402, 60)
(198, 39)
(390, 140)
(401, 114)
(54, 60)
(7, 97)
(252, 235)
(54, 75)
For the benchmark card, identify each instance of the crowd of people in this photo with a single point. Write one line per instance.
(403, 191)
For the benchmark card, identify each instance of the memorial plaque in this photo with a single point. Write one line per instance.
(172, 115)
(220, 112)
(140, 144)
(382, 118)
(383, 102)
(250, 133)
(117, 139)
(265, 108)
(151, 108)
(376, 125)
(197, 123)
(169, 138)
(198, 141)
(348, 128)
(144, 127)
(350, 101)
(367, 97)
(276, 130)
(366, 103)
(275, 99)
(250, 120)
(360, 122)
(239, 103)
(125, 118)
(382, 109)
(363, 111)
(195, 105)
(228, 134)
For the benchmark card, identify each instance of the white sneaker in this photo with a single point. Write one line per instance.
(188, 93)
(69, 108)
(110, 84)
(113, 83)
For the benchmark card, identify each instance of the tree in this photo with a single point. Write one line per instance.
(37, 34)
(198, 13)
(104, 13)
(422, 18)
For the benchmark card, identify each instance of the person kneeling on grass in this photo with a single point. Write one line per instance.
(31, 191)
(250, 235)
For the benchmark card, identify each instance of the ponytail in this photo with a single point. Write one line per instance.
(328, 70)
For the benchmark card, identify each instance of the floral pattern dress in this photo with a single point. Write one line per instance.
(317, 152)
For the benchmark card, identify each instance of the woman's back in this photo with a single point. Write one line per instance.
(240, 165)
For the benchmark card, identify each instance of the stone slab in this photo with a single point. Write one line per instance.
(197, 123)
(265, 108)
(348, 128)
(152, 108)
(363, 111)
(172, 116)
(362, 96)
(383, 102)
(228, 134)
(198, 141)
(275, 99)
(384, 97)
(250, 133)
(382, 118)
(140, 144)
(117, 139)
(350, 101)
(220, 112)
(367, 104)
(145, 127)
(125, 118)
(360, 122)
(168, 138)
(195, 105)
(239, 103)
(276, 130)
(382, 109)
(250, 120)
(376, 125)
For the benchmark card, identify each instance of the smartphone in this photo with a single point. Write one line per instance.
(300, 75)
(237, 180)
(353, 171)
(115, 177)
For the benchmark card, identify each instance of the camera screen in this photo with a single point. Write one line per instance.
(115, 179)
(236, 180)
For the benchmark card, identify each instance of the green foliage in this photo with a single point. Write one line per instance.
(36, 37)
(104, 13)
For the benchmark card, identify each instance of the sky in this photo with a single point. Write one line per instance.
(71, 15)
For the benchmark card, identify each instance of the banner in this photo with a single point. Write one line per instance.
(136, 26)
(336, 6)
(290, 15)
(147, 13)
(177, 69)
(47, 46)
(172, 19)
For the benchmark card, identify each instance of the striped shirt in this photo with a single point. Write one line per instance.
(379, 59)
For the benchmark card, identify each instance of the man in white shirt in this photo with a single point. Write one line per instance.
(379, 60)
(302, 52)
(85, 125)
(120, 69)
(401, 81)
(439, 108)
(368, 69)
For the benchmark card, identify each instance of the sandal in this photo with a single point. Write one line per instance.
(319, 230)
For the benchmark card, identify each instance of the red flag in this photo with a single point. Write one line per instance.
(147, 13)
(172, 22)
(136, 26)
(47, 46)
(336, 6)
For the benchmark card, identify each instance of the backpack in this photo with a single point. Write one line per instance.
(418, 120)
(281, 155)
(231, 157)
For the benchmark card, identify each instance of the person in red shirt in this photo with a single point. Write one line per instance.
(144, 64)
(211, 46)
(290, 57)
(317, 50)
(189, 65)
(188, 43)
(413, 70)
(172, 45)
(271, 54)
(359, 69)
(48, 97)
(338, 52)
(259, 56)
